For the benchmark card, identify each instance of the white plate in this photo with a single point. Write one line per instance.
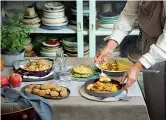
(54, 21)
(59, 24)
(59, 14)
(31, 21)
(99, 99)
(108, 26)
(47, 54)
(54, 5)
(53, 10)
(48, 45)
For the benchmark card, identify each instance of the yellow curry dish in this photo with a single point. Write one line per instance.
(103, 85)
(116, 65)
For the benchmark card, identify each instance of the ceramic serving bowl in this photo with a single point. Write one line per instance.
(34, 73)
(31, 21)
(109, 15)
(53, 10)
(100, 94)
(44, 49)
(70, 42)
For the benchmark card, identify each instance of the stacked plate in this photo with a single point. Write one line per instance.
(51, 48)
(108, 19)
(54, 16)
(31, 18)
(70, 47)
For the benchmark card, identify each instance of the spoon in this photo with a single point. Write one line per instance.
(102, 74)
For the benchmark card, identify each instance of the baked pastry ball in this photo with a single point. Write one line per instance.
(41, 93)
(44, 87)
(63, 93)
(51, 85)
(63, 88)
(47, 92)
(57, 88)
(31, 86)
(28, 90)
(35, 90)
(54, 93)
(37, 86)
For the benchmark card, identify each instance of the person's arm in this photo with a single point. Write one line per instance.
(125, 22)
(157, 52)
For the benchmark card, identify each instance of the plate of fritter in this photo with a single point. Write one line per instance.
(115, 66)
(83, 73)
(48, 90)
(103, 87)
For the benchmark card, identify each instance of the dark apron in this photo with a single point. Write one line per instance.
(151, 22)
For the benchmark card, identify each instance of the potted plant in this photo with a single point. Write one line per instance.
(14, 36)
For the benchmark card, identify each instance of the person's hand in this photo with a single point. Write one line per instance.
(106, 52)
(131, 75)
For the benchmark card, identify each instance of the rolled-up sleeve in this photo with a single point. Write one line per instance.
(157, 52)
(125, 21)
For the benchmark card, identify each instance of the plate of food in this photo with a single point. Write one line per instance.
(34, 67)
(83, 73)
(115, 66)
(103, 87)
(47, 90)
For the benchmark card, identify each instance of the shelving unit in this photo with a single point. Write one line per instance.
(93, 32)
(79, 29)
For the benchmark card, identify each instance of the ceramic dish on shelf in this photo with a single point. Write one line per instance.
(72, 49)
(32, 25)
(43, 49)
(48, 54)
(54, 21)
(31, 21)
(54, 15)
(75, 55)
(49, 45)
(53, 10)
(30, 16)
(108, 15)
(70, 41)
(53, 27)
(108, 26)
(54, 5)
(58, 24)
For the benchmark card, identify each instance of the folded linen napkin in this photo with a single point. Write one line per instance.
(43, 110)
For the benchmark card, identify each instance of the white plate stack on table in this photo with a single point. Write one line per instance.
(51, 48)
(31, 18)
(108, 19)
(54, 16)
(70, 47)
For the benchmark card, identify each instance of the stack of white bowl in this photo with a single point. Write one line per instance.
(51, 50)
(70, 47)
(54, 16)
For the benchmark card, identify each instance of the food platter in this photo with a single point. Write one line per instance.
(33, 67)
(83, 73)
(102, 99)
(102, 93)
(121, 63)
(54, 92)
